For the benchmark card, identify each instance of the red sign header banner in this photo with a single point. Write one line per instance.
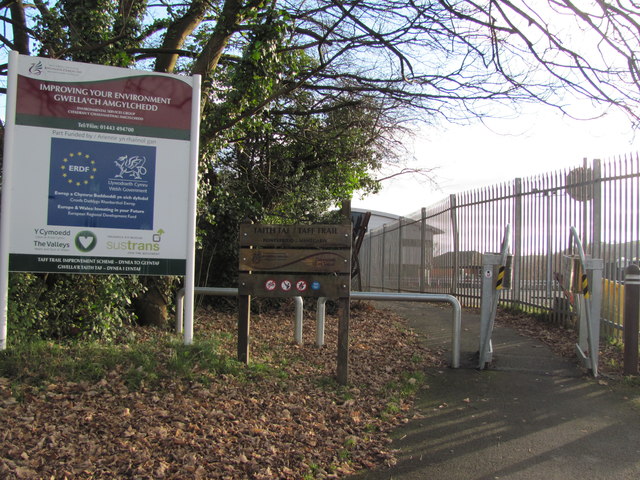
(150, 105)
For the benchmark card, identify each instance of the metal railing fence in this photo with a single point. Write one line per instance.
(439, 248)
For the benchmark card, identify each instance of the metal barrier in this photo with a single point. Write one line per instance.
(320, 314)
(212, 291)
(590, 302)
(494, 279)
(232, 292)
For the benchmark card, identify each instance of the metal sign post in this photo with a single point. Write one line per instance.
(587, 284)
(496, 276)
(487, 316)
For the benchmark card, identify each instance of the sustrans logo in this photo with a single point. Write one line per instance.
(131, 246)
(86, 241)
(36, 68)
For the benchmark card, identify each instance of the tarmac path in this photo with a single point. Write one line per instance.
(531, 415)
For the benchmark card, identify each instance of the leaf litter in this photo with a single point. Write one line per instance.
(291, 421)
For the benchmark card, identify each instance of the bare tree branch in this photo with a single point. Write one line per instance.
(423, 172)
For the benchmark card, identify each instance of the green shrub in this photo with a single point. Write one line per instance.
(58, 306)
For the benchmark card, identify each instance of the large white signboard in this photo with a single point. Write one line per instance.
(100, 169)
(99, 174)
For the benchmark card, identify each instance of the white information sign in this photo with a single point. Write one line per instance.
(99, 169)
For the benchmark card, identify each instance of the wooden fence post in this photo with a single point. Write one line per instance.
(342, 370)
(244, 323)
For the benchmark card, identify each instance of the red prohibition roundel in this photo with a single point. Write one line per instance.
(301, 285)
(285, 285)
(270, 285)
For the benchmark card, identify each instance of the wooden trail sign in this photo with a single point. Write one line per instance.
(295, 261)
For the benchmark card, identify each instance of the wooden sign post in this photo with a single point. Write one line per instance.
(293, 261)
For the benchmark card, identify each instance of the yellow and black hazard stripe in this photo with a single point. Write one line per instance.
(585, 286)
(500, 280)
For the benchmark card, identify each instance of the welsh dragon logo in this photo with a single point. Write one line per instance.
(133, 167)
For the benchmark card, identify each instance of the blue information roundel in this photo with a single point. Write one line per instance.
(100, 184)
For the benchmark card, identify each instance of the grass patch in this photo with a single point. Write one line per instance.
(398, 392)
(616, 343)
(392, 408)
(40, 363)
(407, 385)
(314, 471)
(44, 362)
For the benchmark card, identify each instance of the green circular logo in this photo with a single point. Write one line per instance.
(86, 241)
